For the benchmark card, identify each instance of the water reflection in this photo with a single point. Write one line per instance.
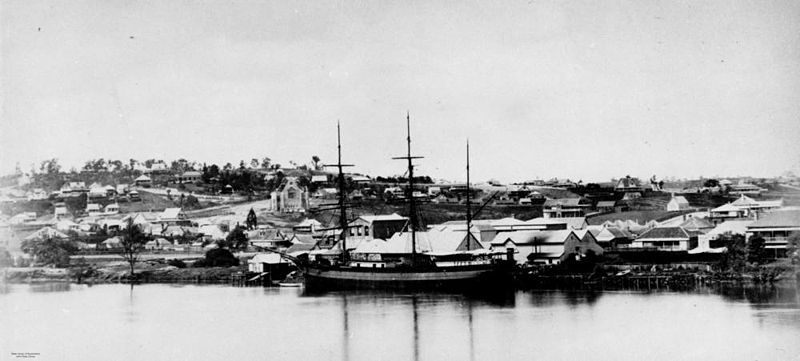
(572, 298)
(760, 296)
(51, 287)
(369, 325)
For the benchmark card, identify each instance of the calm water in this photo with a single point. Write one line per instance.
(167, 322)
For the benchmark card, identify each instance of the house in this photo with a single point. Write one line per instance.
(178, 231)
(143, 220)
(359, 179)
(678, 203)
(697, 224)
(110, 224)
(309, 225)
(666, 239)
(290, 196)
(46, 232)
(23, 217)
(714, 239)
(631, 226)
(158, 167)
(122, 188)
(134, 196)
(67, 225)
(261, 262)
(326, 193)
(174, 216)
(775, 227)
(112, 243)
(319, 178)
(190, 177)
(544, 247)
(158, 244)
(211, 232)
(74, 187)
(628, 184)
(377, 226)
(750, 204)
(565, 207)
(745, 188)
(93, 208)
(611, 237)
(609, 207)
(143, 181)
(558, 223)
(112, 208)
(97, 191)
(433, 242)
(37, 194)
(727, 211)
(297, 249)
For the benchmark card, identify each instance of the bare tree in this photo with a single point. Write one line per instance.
(133, 241)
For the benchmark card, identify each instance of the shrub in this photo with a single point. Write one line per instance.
(177, 263)
(219, 257)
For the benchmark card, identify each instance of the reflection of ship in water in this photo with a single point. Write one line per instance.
(415, 324)
(412, 258)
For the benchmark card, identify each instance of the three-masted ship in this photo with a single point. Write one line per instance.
(413, 258)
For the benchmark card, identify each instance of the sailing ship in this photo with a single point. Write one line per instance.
(412, 258)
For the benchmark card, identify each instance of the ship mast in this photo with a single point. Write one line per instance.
(342, 193)
(469, 202)
(412, 205)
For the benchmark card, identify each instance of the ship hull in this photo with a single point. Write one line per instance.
(465, 278)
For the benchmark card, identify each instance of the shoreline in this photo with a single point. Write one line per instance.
(523, 280)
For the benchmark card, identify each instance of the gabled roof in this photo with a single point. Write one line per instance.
(744, 201)
(696, 223)
(681, 200)
(778, 219)
(268, 258)
(46, 232)
(506, 222)
(521, 238)
(384, 217)
(300, 247)
(431, 241)
(733, 227)
(606, 204)
(572, 222)
(303, 239)
(627, 183)
(142, 178)
(172, 213)
(563, 202)
(665, 232)
(727, 207)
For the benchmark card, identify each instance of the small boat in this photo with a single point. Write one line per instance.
(290, 284)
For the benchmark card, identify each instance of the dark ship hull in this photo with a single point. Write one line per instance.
(452, 278)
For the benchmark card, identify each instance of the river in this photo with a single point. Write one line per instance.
(60, 321)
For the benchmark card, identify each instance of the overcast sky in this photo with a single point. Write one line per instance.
(581, 89)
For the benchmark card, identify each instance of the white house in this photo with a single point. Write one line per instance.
(775, 227)
(547, 247)
(112, 208)
(664, 239)
(678, 203)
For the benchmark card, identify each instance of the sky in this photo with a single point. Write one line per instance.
(584, 90)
